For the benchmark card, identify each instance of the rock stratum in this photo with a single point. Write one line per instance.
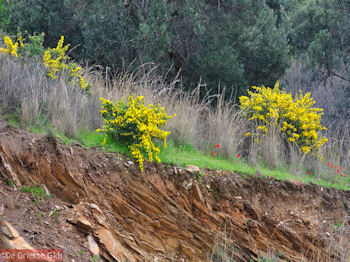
(166, 214)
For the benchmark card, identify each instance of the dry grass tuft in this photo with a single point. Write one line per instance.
(26, 91)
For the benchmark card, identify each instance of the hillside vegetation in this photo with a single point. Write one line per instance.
(271, 129)
(196, 60)
(234, 44)
(223, 93)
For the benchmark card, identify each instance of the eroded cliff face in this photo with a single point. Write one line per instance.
(165, 214)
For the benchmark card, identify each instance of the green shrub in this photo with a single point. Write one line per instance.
(298, 120)
(3, 15)
(135, 125)
(31, 45)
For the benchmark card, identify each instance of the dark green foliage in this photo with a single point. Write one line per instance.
(3, 15)
(307, 20)
(321, 33)
(54, 18)
(33, 45)
(107, 30)
(154, 32)
(168, 35)
(319, 37)
(235, 44)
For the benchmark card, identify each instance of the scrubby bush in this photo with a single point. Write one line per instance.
(31, 45)
(11, 48)
(135, 125)
(298, 121)
(55, 59)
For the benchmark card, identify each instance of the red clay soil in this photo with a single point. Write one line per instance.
(164, 213)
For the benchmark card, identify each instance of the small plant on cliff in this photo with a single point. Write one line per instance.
(38, 193)
(298, 120)
(135, 125)
(11, 183)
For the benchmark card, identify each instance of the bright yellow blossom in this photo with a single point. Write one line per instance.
(55, 59)
(301, 123)
(11, 48)
(136, 125)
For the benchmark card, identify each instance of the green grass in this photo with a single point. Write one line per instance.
(54, 213)
(186, 154)
(36, 191)
(95, 139)
(11, 183)
(39, 214)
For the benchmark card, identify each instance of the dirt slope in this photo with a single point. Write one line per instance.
(164, 214)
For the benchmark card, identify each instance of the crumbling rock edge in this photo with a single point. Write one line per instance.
(164, 213)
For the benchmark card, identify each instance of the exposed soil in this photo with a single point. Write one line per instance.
(164, 213)
(42, 223)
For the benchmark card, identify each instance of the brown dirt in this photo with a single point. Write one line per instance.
(35, 221)
(163, 214)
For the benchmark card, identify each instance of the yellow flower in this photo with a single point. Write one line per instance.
(263, 128)
(277, 85)
(11, 47)
(136, 123)
(56, 61)
(301, 122)
(306, 149)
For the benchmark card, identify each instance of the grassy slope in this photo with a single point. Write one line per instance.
(185, 155)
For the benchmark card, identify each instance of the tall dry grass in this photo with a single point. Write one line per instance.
(26, 91)
(330, 93)
(332, 96)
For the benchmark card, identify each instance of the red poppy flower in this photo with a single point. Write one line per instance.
(238, 155)
(341, 175)
(335, 166)
(339, 168)
(331, 165)
(217, 146)
(213, 153)
(308, 172)
(338, 171)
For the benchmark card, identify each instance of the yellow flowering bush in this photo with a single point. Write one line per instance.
(11, 48)
(136, 125)
(298, 120)
(55, 59)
